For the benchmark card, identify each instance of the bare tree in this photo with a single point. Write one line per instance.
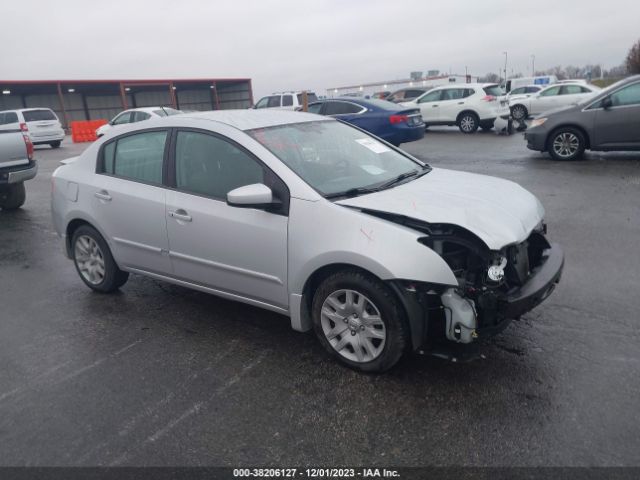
(633, 58)
(490, 78)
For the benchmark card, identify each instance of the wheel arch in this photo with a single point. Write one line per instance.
(467, 110)
(75, 222)
(582, 130)
(414, 319)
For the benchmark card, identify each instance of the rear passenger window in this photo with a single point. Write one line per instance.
(571, 90)
(287, 101)
(208, 165)
(341, 108)
(140, 116)
(136, 157)
(8, 118)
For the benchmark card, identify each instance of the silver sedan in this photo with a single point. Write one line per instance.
(312, 218)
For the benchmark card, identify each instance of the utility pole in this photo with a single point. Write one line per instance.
(533, 65)
(506, 56)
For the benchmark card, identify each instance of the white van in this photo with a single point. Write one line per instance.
(41, 125)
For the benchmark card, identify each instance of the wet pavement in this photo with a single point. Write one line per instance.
(161, 375)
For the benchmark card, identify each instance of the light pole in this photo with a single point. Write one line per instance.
(533, 65)
(506, 56)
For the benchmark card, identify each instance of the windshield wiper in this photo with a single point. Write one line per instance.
(399, 178)
(352, 192)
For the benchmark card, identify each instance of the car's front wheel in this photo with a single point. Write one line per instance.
(94, 262)
(359, 321)
(566, 144)
(468, 123)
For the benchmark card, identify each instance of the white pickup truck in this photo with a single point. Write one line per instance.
(16, 166)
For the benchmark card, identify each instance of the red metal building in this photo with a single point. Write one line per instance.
(103, 99)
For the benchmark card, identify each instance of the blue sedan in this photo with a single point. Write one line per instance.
(386, 120)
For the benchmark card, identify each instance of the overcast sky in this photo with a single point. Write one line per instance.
(296, 44)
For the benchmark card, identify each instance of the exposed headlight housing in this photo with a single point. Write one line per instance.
(538, 121)
(495, 273)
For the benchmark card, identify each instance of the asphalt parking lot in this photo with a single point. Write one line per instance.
(161, 375)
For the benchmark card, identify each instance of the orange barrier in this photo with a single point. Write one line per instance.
(85, 131)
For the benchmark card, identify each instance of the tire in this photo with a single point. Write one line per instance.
(370, 345)
(13, 197)
(468, 122)
(88, 246)
(519, 112)
(56, 144)
(566, 143)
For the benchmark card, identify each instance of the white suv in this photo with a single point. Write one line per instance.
(469, 106)
(285, 100)
(41, 125)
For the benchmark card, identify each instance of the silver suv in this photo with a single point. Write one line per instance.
(312, 218)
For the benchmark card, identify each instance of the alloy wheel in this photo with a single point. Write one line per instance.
(518, 112)
(467, 123)
(566, 144)
(353, 326)
(89, 259)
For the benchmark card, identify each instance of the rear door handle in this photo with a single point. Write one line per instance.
(103, 195)
(434, 106)
(180, 214)
(460, 103)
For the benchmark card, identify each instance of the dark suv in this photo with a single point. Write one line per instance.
(610, 121)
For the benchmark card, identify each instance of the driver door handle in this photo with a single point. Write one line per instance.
(434, 106)
(180, 214)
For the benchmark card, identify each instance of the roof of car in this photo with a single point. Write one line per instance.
(261, 118)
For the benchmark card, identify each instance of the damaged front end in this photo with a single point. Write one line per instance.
(494, 287)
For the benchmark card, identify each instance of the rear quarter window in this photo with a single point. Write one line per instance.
(494, 90)
(38, 115)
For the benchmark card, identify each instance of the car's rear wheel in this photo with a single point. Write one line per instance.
(94, 262)
(55, 144)
(359, 321)
(566, 144)
(468, 122)
(13, 196)
(519, 112)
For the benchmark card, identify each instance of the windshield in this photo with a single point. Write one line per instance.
(333, 157)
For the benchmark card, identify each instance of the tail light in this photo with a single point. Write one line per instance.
(398, 119)
(23, 127)
(489, 98)
(27, 142)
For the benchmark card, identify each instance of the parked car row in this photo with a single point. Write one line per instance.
(606, 121)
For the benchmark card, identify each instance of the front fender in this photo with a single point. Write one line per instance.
(323, 233)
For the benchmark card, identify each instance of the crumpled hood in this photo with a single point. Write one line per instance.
(498, 211)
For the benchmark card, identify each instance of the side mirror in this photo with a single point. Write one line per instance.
(257, 195)
(607, 103)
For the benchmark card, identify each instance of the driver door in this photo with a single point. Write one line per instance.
(429, 106)
(545, 100)
(239, 251)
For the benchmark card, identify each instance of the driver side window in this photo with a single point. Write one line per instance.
(431, 97)
(550, 92)
(208, 165)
